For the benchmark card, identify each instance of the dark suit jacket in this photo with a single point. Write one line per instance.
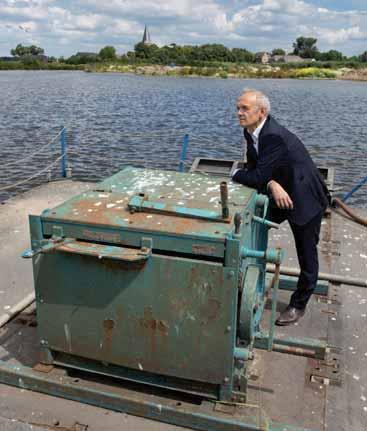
(282, 157)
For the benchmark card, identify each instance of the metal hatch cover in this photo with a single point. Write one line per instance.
(107, 204)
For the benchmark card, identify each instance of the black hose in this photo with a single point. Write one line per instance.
(355, 217)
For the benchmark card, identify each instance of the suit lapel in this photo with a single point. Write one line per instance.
(250, 145)
(264, 131)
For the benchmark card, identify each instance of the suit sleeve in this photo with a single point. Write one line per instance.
(250, 161)
(272, 155)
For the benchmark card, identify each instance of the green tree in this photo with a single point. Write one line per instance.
(331, 55)
(36, 50)
(21, 50)
(278, 51)
(107, 53)
(144, 51)
(363, 57)
(241, 55)
(305, 47)
(82, 58)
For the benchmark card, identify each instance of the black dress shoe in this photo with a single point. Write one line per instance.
(290, 315)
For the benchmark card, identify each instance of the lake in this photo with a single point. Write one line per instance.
(113, 118)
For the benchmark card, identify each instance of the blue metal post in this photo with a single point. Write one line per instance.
(360, 184)
(183, 152)
(63, 152)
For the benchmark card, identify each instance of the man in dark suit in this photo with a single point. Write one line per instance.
(279, 165)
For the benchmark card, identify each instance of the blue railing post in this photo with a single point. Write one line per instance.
(183, 153)
(358, 186)
(63, 152)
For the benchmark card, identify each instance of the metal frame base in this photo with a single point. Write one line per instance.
(308, 347)
(205, 416)
(287, 282)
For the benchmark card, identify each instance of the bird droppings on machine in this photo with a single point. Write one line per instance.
(124, 301)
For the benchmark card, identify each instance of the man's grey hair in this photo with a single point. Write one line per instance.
(262, 101)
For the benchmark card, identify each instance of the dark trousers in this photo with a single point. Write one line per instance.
(306, 238)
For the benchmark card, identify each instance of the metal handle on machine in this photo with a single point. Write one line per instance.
(100, 251)
(139, 203)
(262, 201)
(265, 222)
(50, 245)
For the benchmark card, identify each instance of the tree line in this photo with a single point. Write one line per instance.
(305, 47)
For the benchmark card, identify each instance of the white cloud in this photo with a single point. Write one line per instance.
(343, 35)
(256, 25)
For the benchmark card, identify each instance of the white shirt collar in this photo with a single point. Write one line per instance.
(255, 134)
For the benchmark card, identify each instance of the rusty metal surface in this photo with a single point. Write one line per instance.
(107, 205)
(138, 318)
(103, 251)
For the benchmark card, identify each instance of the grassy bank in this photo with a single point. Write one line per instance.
(327, 70)
(237, 71)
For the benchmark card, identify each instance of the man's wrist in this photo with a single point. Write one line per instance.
(269, 185)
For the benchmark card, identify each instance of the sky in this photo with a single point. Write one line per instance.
(65, 27)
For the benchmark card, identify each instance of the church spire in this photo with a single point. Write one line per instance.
(146, 37)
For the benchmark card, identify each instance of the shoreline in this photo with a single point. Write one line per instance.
(230, 71)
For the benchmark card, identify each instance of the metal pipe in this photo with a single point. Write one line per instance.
(17, 308)
(297, 351)
(63, 152)
(274, 300)
(185, 145)
(224, 199)
(335, 278)
(273, 255)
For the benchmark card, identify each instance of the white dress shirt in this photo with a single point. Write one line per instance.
(255, 135)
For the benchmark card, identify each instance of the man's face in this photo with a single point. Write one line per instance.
(249, 115)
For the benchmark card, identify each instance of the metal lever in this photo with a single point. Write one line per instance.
(50, 245)
(265, 222)
(224, 199)
(139, 203)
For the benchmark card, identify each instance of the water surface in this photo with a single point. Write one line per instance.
(116, 117)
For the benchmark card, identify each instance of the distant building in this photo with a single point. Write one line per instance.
(146, 37)
(262, 57)
(286, 59)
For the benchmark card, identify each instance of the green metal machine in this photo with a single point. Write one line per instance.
(155, 277)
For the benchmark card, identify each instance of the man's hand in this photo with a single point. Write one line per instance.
(280, 196)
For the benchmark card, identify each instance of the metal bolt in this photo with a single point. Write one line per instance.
(228, 328)
(231, 274)
(226, 379)
(43, 342)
